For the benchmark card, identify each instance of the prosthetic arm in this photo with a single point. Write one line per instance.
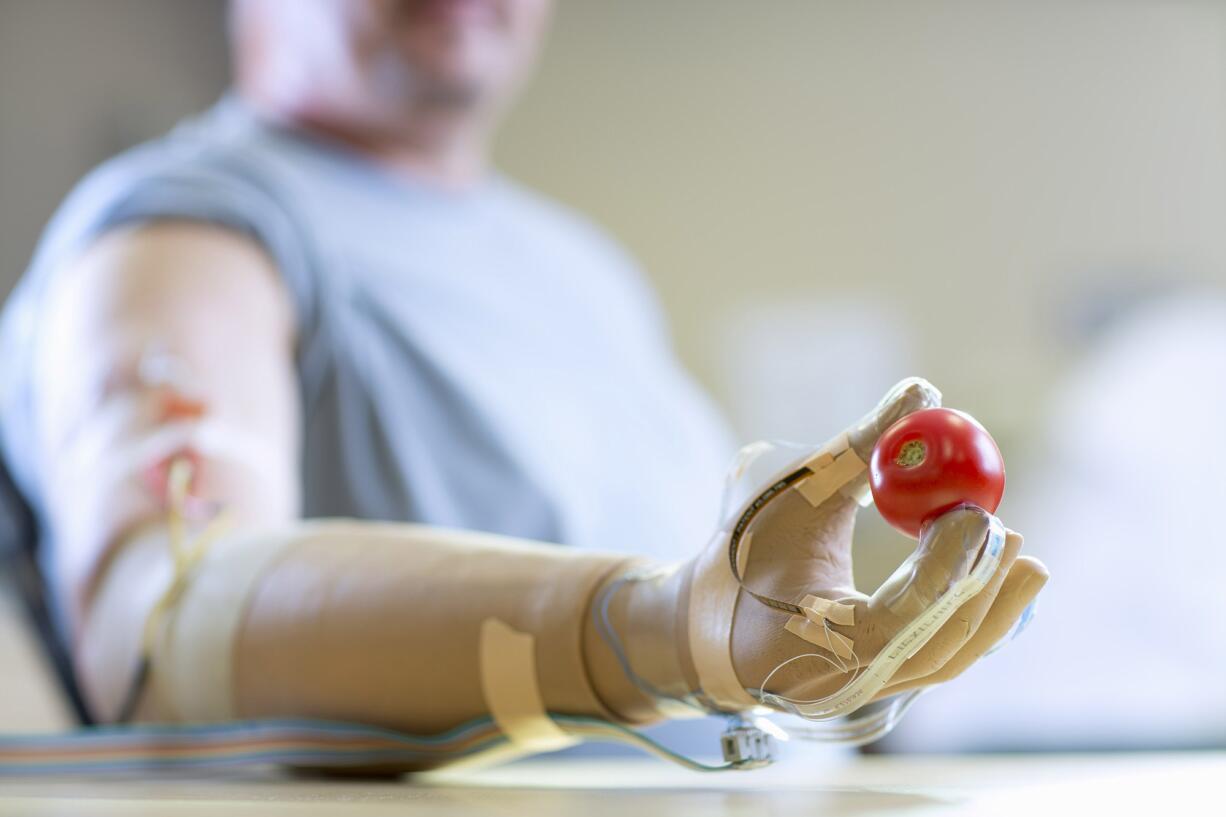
(196, 596)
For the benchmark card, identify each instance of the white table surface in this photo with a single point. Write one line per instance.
(1040, 785)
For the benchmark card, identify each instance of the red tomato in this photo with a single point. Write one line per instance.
(930, 462)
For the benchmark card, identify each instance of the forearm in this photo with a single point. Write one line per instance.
(376, 623)
(382, 624)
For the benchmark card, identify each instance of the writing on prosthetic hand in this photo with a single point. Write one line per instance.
(771, 616)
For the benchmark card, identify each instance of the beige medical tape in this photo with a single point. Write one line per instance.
(714, 592)
(713, 598)
(193, 659)
(833, 468)
(912, 638)
(817, 609)
(509, 684)
(821, 636)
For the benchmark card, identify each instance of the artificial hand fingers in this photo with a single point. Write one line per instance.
(790, 548)
(1020, 587)
(948, 549)
(809, 657)
(948, 640)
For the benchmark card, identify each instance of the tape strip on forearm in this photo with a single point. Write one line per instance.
(512, 691)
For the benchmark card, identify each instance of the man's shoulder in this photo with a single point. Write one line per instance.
(197, 154)
(211, 169)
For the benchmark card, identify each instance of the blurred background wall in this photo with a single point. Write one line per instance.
(828, 195)
(823, 191)
(960, 170)
(966, 167)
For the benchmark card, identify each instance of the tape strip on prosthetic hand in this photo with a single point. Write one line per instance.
(819, 635)
(818, 610)
(715, 592)
(832, 470)
(814, 625)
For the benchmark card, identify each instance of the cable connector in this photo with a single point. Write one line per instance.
(746, 746)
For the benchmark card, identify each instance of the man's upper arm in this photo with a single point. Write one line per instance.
(167, 339)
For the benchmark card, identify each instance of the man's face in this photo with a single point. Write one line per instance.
(460, 51)
(378, 60)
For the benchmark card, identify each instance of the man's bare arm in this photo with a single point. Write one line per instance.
(179, 329)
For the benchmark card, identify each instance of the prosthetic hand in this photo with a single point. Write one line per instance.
(768, 614)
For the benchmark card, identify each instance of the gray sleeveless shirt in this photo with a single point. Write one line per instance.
(480, 360)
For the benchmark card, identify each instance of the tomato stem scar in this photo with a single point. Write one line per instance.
(912, 453)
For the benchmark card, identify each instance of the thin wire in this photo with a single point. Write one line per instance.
(185, 556)
(840, 665)
(859, 731)
(623, 734)
(604, 625)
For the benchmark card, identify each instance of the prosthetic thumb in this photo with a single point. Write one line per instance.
(948, 548)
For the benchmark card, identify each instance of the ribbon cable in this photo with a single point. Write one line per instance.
(238, 743)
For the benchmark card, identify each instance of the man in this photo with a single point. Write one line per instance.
(317, 300)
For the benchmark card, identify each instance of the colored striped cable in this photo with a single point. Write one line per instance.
(323, 744)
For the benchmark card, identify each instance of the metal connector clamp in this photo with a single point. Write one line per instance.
(746, 746)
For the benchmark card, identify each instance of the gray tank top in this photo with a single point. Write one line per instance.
(480, 360)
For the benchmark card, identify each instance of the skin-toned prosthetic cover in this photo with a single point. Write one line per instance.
(229, 642)
(227, 651)
(389, 625)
